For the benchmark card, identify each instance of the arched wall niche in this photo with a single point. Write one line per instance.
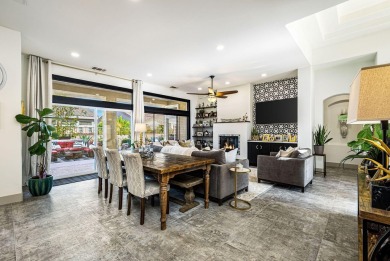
(337, 148)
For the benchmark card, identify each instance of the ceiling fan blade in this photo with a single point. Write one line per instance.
(197, 93)
(227, 92)
(211, 91)
(223, 97)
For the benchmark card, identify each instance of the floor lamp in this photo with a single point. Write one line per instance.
(140, 128)
(369, 100)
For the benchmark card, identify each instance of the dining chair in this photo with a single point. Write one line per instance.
(137, 184)
(101, 166)
(116, 173)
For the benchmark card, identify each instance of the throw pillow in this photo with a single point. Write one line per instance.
(185, 143)
(304, 153)
(286, 153)
(217, 155)
(231, 156)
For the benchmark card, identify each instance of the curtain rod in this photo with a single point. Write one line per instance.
(84, 69)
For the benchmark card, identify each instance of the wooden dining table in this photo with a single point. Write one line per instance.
(165, 166)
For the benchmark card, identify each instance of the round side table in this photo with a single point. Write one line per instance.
(234, 202)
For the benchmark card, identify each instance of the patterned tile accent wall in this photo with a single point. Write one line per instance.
(275, 90)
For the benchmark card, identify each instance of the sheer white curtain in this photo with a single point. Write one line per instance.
(39, 96)
(138, 106)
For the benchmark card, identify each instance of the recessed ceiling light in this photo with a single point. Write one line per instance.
(263, 75)
(153, 99)
(220, 47)
(74, 54)
(199, 89)
(227, 83)
(149, 75)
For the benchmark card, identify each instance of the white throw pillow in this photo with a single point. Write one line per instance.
(231, 156)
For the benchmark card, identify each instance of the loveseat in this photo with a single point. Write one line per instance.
(297, 171)
(221, 179)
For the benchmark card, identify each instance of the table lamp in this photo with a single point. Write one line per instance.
(369, 99)
(140, 128)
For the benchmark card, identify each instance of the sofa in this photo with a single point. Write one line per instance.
(297, 171)
(221, 179)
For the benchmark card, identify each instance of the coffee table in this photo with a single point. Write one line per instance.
(236, 172)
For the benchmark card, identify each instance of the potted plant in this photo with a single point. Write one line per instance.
(42, 183)
(320, 138)
(254, 134)
(362, 149)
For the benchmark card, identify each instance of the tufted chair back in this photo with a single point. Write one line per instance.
(100, 162)
(115, 167)
(135, 174)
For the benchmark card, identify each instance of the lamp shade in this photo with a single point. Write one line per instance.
(369, 99)
(140, 127)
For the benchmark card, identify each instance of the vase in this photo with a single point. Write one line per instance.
(319, 149)
(40, 187)
(343, 129)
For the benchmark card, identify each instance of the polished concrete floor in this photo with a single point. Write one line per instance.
(74, 223)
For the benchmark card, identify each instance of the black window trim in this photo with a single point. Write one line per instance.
(116, 105)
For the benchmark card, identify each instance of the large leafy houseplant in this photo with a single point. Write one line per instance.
(44, 134)
(363, 149)
(320, 136)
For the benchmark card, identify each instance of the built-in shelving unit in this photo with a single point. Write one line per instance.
(203, 127)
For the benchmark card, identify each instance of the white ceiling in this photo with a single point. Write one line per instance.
(175, 40)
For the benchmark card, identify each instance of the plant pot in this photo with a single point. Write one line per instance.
(319, 149)
(40, 187)
(380, 195)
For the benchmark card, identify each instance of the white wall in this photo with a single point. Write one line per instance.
(305, 107)
(236, 105)
(329, 81)
(10, 130)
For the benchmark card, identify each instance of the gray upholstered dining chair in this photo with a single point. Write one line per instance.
(101, 166)
(137, 184)
(114, 162)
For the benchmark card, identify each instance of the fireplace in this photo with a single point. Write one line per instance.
(229, 142)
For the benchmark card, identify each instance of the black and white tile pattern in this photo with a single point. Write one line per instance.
(275, 90)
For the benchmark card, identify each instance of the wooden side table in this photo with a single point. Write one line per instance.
(236, 172)
(366, 215)
(324, 163)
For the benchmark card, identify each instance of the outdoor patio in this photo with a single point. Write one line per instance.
(63, 168)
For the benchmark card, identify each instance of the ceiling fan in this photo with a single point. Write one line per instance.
(212, 94)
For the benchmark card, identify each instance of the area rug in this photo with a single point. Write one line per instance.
(254, 189)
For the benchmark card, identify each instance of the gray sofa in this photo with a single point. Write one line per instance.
(291, 171)
(221, 179)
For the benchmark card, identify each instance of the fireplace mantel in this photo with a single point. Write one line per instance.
(233, 128)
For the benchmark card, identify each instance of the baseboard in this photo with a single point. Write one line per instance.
(11, 199)
(346, 166)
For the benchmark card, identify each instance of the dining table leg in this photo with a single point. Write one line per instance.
(163, 179)
(206, 185)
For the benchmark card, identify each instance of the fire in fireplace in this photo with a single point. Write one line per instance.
(229, 142)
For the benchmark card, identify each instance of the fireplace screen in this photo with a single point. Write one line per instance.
(229, 142)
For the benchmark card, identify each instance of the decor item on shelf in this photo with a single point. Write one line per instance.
(380, 182)
(140, 128)
(245, 117)
(206, 133)
(213, 95)
(320, 138)
(231, 120)
(343, 124)
(363, 149)
(285, 138)
(254, 133)
(42, 183)
(293, 138)
(266, 137)
(278, 138)
(199, 133)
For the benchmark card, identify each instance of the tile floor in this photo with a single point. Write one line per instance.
(74, 223)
